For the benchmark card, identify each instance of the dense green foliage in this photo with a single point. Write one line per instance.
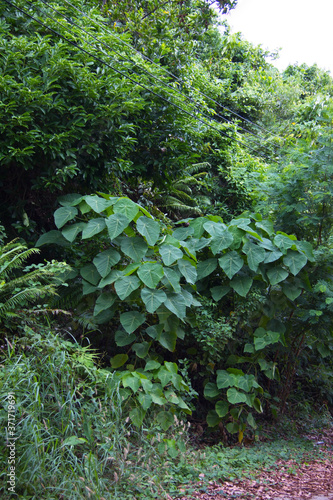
(198, 252)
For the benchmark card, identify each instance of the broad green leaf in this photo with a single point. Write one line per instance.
(126, 207)
(170, 254)
(251, 421)
(71, 232)
(182, 233)
(212, 418)
(200, 244)
(150, 273)
(234, 396)
(205, 268)
(223, 379)
(176, 303)
(122, 338)
(90, 274)
(130, 321)
(130, 380)
(135, 248)
(148, 228)
(156, 391)
(233, 427)
(215, 229)
(171, 277)
(118, 360)
(267, 226)
(241, 285)
(221, 242)
(187, 270)
(154, 331)
(222, 408)
(63, 215)
(97, 204)
(131, 268)
(141, 350)
(240, 222)
(104, 316)
(93, 227)
(231, 263)
(110, 278)
(104, 261)
(152, 298)
(255, 255)
(88, 288)
(198, 226)
(295, 261)
(70, 200)
(167, 340)
(116, 223)
(84, 207)
(291, 291)
(126, 285)
(52, 237)
(219, 291)
(188, 297)
(145, 400)
(152, 365)
(211, 390)
(272, 256)
(137, 415)
(306, 248)
(276, 275)
(165, 419)
(73, 441)
(283, 242)
(104, 301)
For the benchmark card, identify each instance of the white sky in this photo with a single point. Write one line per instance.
(302, 28)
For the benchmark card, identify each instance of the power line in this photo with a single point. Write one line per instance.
(167, 71)
(143, 69)
(129, 78)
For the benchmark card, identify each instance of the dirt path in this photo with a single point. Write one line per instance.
(312, 480)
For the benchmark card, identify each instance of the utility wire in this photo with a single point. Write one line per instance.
(143, 69)
(167, 71)
(129, 78)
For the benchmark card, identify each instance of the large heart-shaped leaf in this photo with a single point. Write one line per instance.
(135, 247)
(116, 223)
(255, 255)
(231, 263)
(152, 298)
(291, 291)
(211, 390)
(90, 274)
(122, 338)
(283, 242)
(63, 215)
(188, 270)
(126, 285)
(93, 227)
(295, 261)
(71, 232)
(219, 291)
(234, 396)
(104, 261)
(70, 200)
(52, 237)
(276, 275)
(176, 303)
(222, 408)
(130, 321)
(137, 415)
(126, 207)
(205, 268)
(141, 349)
(151, 273)
(215, 229)
(221, 242)
(118, 360)
(170, 254)
(104, 301)
(98, 204)
(241, 285)
(149, 228)
(168, 340)
(172, 278)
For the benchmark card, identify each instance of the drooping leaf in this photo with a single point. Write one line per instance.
(116, 223)
(148, 228)
(126, 207)
(170, 254)
(187, 270)
(110, 278)
(71, 232)
(104, 261)
(63, 215)
(176, 303)
(198, 226)
(276, 275)
(241, 285)
(182, 233)
(222, 408)
(145, 400)
(104, 301)
(167, 340)
(205, 268)
(266, 225)
(125, 285)
(93, 227)
(219, 291)
(291, 291)
(272, 256)
(90, 274)
(151, 273)
(295, 261)
(141, 349)
(212, 418)
(211, 390)
(70, 200)
(52, 237)
(130, 321)
(118, 360)
(152, 298)
(231, 263)
(135, 248)
(122, 338)
(255, 255)
(172, 277)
